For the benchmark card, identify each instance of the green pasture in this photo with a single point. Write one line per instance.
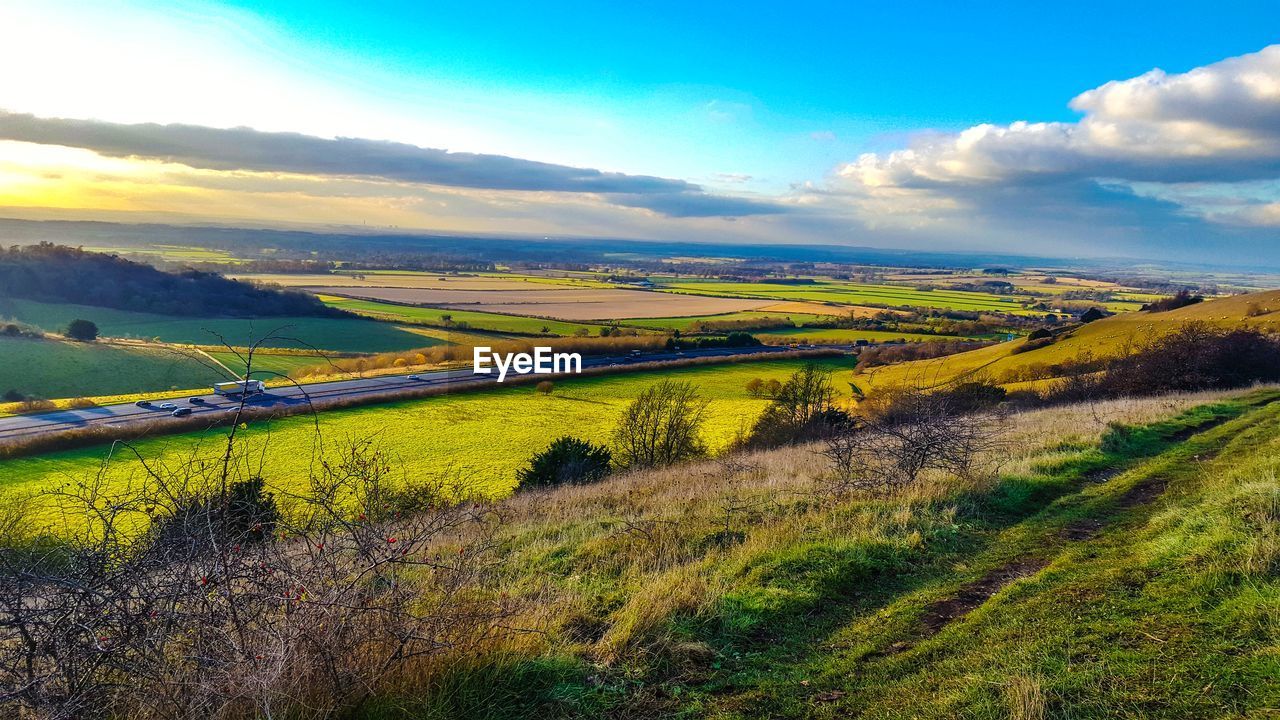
(337, 334)
(60, 369)
(475, 320)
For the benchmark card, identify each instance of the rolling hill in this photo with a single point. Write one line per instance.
(1008, 364)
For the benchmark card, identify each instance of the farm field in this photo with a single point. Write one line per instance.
(475, 320)
(575, 304)
(684, 324)
(266, 365)
(850, 293)
(845, 335)
(338, 334)
(59, 369)
(1101, 338)
(479, 438)
(424, 280)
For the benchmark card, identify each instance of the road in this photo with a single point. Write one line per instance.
(20, 426)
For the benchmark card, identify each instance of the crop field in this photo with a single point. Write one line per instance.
(267, 365)
(684, 324)
(56, 368)
(338, 334)
(475, 320)
(850, 293)
(478, 438)
(845, 335)
(564, 303)
(173, 253)
(409, 279)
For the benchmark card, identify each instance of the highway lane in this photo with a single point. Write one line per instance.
(20, 426)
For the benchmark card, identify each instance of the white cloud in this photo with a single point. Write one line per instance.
(1219, 123)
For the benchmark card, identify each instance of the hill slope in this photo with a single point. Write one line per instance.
(1005, 363)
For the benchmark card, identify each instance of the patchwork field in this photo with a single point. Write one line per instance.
(407, 279)
(478, 438)
(56, 368)
(474, 319)
(338, 334)
(850, 293)
(562, 304)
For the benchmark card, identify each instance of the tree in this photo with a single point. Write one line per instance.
(802, 408)
(755, 387)
(567, 461)
(661, 426)
(545, 387)
(1092, 314)
(83, 330)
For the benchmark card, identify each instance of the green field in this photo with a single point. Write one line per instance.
(480, 438)
(475, 320)
(267, 365)
(338, 334)
(684, 323)
(848, 335)
(58, 369)
(850, 293)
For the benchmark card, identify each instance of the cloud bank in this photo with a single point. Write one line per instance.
(247, 149)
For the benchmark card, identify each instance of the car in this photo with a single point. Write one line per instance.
(180, 412)
(413, 377)
(196, 401)
(167, 406)
(143, 403)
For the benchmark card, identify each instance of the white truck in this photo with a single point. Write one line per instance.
(239, 387)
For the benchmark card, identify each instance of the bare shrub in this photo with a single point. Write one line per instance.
(911, 432)
(192, 594)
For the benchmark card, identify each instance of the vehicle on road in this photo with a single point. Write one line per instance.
(143, 403)
(167, 406)
(240, 387)
(180, 412)
(196, 400)
(413, 377)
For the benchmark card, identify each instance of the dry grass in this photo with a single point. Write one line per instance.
(651, 532)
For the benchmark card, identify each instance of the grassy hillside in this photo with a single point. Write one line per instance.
(59, 369)
(478, 439)
(339, 334)
(1098, 568)
(1109, 336)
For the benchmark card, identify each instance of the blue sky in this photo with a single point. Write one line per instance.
(1010, 126)
(865, 73)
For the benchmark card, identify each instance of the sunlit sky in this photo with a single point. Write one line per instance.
(1148, 130)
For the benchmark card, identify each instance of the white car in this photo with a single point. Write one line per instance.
(413, 377)
(167, 406)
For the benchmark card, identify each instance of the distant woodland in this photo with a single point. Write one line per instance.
(60, 274)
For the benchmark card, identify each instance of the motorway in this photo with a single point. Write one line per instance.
(379, 387)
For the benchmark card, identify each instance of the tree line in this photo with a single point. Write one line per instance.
(60, 274)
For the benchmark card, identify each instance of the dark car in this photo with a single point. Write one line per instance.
(180, 412)
(196, 401)
(143, 403)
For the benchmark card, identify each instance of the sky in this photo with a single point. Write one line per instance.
(1150, 130)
